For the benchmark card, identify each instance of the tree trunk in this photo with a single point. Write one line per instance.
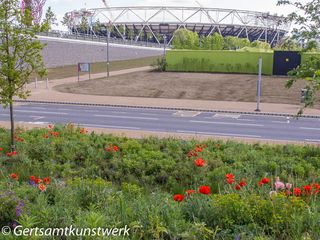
(12, 128)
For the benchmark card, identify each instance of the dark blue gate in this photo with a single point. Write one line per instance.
(285, 61)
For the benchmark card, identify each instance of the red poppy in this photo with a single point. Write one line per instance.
(238, 187)
(50, 126)
(265, 180)
(38, 180)
(307, 189)
(83, 131)
(45, 136)
(189, 192)
(115, 148)
(230, 180)
(178, 197)
(42, 187)
(199, 162)
(9, 154)
(47, 180)
(260, 183)
(1, 149)
(205, 190)
(33, 178)
(230, 176)
(14, 176)
(242, 183)
(297, 192)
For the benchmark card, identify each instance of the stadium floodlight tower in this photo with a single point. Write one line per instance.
(145, 22)
(36, 7)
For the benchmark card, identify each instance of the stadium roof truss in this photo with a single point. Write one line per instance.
(163, 21)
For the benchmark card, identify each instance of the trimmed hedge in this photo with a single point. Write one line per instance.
(223, 61)
(219, 61)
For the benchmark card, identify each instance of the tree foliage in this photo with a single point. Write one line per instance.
(213, 42)
(50, 19)
(308, 30)
(20, 53)
(185, 39)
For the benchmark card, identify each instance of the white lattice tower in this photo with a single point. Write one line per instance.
(36, 8)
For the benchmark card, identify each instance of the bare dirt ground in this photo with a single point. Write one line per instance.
(198, 86)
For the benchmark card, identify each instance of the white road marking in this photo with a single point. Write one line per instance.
(149, 114)
(225, 123)
(186, 114)
(221, 134)
(36, 123)
(227, 115)
(120, 112)
(109, 126)
(127, 117)
(54, 113)
(308, 128)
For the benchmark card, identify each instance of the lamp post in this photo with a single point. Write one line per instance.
(164, 46)
(108, 57)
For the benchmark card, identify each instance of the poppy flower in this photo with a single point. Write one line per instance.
(189, 192)
(238, 187)
(265, 180)
(307, 189)
(38, 180)
(47, 180)
(229, 175)
(205, 190)
(45, 136)
(42, 187)
(230, 180)
(14, 176)
(9, 154)
(199, 162)
(242, 183)
(1, 149)
(297, 192)
(33, 178)
(260, 183)
(50, 126)
(115, 148)
(178, 197)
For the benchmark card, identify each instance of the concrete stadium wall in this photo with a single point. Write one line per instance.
(219, 61)
(60, 52)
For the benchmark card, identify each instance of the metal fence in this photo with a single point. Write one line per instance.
(96, 38)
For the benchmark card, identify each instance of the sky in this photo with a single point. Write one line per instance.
(60, 7)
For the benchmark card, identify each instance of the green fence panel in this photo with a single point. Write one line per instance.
(218, 61)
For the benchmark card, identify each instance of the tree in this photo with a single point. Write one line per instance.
(185, 39)
(67, 20)
(84, 25)
(50, 19)
(20, 54)
(308, 30)
(231, 43)
(289, 45)
(308, 22)
(213, 42)
(260, 45)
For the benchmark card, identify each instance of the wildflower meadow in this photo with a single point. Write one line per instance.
(160, 188)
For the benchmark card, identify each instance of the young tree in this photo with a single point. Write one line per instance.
(50, 19)
(213, 42)
(84, 25)
(67, 21)
(20, 54)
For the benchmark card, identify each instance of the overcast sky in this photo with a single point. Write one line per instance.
(60, 7)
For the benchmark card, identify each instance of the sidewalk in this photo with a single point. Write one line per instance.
(50, 95)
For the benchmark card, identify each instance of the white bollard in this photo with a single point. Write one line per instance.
(47, 83)
(36, 83)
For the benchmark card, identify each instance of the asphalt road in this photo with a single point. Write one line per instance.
(197, 123)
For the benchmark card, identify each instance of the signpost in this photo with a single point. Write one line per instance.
(259, 86)
(84, 67)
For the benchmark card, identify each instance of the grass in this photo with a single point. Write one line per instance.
(71, 70)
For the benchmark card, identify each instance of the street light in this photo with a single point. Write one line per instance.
(164, 46)
(108, 57)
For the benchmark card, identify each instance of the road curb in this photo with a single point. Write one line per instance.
(168, 108)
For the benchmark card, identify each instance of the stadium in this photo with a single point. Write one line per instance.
(158, 23)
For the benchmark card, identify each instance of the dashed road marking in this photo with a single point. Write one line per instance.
(226, 123)
(220, 134)
(225, 115)
(127, 117)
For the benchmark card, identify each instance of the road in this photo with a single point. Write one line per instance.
(184, 122)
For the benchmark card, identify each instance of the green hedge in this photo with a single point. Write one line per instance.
(218, 61)
(306, 56)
